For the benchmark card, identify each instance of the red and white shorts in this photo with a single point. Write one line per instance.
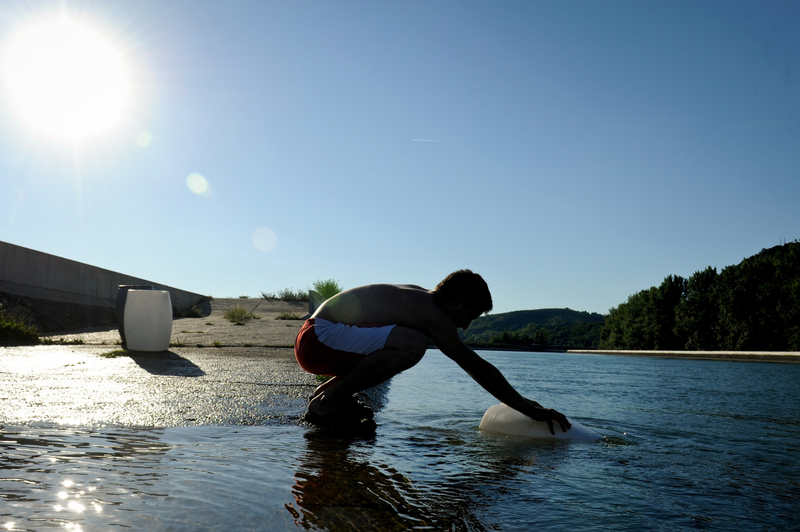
(326, 348)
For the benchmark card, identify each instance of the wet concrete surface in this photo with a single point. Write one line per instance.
(214, 373)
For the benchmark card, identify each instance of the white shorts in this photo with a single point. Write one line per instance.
(362, 340)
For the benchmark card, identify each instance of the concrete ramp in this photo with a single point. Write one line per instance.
(59, 294)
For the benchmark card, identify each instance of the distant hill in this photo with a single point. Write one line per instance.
(519, 319)
(561, 326)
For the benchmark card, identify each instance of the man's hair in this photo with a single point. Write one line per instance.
(467, 286)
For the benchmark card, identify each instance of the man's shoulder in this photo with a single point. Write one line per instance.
(401, 286)
(403, 299)
(393, 290)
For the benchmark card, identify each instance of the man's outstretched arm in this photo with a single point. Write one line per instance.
(493, 381)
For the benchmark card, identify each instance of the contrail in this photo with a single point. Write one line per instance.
(428, 140)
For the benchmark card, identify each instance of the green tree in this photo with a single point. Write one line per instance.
(757, 303)
(646, 320)
(541, 336)
(787, 270)
(697, 316)
(626, 326)
(665, 301)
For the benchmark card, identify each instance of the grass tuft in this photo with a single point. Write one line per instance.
(287, 294)
(61, 341)
(114, 354)
(288, 316)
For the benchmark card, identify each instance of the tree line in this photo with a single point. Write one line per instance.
(577, 336)
(753, 305)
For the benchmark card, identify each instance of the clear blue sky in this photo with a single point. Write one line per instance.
(573, 153)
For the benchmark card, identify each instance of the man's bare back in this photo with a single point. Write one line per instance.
(418, 315)
(406, 305)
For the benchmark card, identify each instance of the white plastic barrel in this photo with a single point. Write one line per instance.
(503, 419)
(148, 320)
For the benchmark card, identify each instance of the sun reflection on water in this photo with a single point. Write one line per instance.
(76, 507)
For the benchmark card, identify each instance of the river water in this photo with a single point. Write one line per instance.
(688, 445)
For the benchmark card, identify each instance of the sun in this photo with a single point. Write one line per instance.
(65, 79)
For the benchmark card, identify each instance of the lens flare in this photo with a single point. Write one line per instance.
(264, 239)
(198, 184)
(144, 139)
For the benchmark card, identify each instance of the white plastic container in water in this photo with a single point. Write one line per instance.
(148, 320)
(503, 419)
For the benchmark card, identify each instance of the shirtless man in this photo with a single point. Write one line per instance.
(366, 335)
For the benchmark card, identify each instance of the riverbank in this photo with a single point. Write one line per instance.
(788, 357)
(737, 356)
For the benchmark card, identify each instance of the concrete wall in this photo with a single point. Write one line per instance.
(33, 274)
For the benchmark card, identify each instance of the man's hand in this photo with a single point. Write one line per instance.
(538, 413)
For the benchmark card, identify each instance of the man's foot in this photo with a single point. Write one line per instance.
(340, 423)
(343, 418)
(356, 407)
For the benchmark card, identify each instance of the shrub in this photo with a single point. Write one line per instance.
(193, 312)
(236, 315)
(327, 288)
(15, 330)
